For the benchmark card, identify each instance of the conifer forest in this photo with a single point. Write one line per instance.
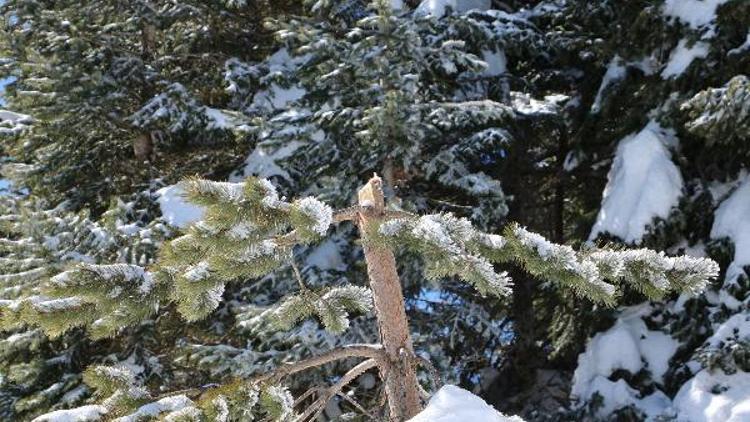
(375, 210)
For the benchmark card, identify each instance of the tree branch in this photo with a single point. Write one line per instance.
(312, 412)
(371, 351)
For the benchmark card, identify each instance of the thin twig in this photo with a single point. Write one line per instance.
(298, 275)
(356, 405)
(304, 396)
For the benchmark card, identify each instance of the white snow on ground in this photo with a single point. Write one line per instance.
(643, 183)
(696, 13)
(714, 397)
(454, 404)
(438, 8)
(631, 346)
(681, 57)
(731, 220)
(81, 414)
(496, 62)
(175, 209)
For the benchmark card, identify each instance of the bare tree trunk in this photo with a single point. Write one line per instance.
(400, 377)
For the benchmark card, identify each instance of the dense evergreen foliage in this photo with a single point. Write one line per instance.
(606, 127)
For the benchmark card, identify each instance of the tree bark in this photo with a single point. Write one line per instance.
(400, 379)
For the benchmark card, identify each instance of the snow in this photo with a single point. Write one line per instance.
(564, 255)
(695, 13)
(175, 209)
(742, 47)
(12, 123)
(438, 8)
(86, 413)
(326, 257)
(279, 97)
(736, 327)
(151, 410)
(698, 400)
(320, 213)
(496, 62)
(681, 57)
(454, 404)
(629, 345)
(643, 183)
(731, 220)
(618, 394)
(197, 272)
(523, 103)
(616, 70)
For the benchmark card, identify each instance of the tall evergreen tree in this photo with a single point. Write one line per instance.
(124, 92)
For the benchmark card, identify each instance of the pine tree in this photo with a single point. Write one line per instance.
(568, 86)
(248, 231)
(124, 92)
(42, 373)
(648, 97)
(409, 96)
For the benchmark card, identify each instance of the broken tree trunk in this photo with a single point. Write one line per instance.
(399, 376)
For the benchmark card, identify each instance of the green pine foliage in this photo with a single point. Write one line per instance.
(131, 89)
(39, 346)
(488, 116)
(248, 231)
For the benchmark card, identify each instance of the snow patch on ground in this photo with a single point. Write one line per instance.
(453, 404)
(731, 220)
(175, 209)
(681, 57)
(714, 397)
(629, 345)
(643, 184)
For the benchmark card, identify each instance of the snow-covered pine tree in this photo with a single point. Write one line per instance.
(124, 92)
(437, 85)
(42, 373)
(662, 111)
(248, 231)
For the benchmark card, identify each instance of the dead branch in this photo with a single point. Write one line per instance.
(316, 408)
